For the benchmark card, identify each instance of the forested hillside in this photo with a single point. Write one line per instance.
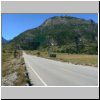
(65, 34)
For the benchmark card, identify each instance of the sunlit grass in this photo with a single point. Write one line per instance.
(82, 59)
(11, 65)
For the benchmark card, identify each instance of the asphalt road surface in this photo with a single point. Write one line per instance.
(46, 72)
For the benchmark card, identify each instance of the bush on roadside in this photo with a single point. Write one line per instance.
(38, 53)
(53, 55)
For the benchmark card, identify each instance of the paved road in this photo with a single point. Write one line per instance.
(45, 72)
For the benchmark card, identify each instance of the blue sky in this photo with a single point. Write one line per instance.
(14, 24)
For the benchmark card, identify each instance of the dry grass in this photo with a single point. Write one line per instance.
(11, 65)
(6, 63)
(22, 79)
(82, 59)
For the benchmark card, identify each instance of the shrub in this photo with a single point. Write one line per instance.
(52, 55)
(38, 53)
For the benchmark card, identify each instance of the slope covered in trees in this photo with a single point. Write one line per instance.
(66, 34)
(4, 41)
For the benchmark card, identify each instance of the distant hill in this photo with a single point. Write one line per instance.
(67, 34)
(4, 41)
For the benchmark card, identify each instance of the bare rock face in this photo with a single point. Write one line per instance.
(64, 20)
(8, 80)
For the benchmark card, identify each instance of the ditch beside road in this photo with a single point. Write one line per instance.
(14, 71)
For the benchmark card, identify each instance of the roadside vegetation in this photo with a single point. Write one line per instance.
(13, 68)
(81, 59)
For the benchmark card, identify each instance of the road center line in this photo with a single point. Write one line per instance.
(37, 75)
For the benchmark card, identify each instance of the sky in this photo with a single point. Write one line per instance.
(14, 24)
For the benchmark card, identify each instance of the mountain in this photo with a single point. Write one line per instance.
(65, 33)
(4, 41)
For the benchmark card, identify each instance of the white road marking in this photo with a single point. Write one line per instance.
(37, 75)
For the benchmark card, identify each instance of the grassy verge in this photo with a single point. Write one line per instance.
(13, 70)
(82, 59)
